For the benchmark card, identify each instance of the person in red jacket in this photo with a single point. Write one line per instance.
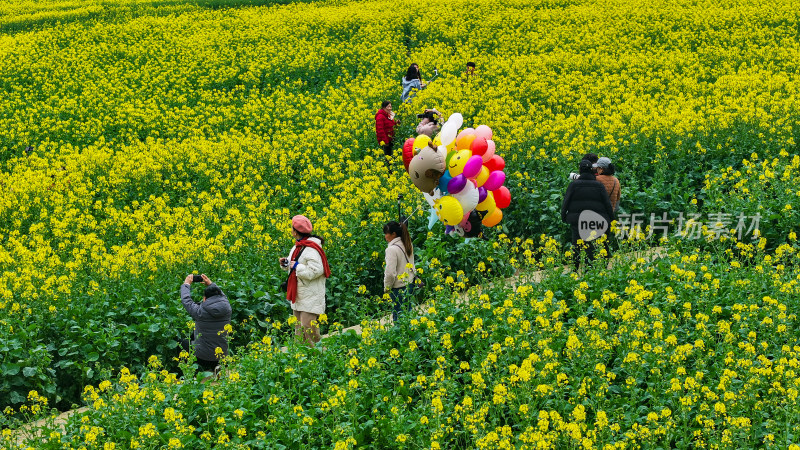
(384, 126)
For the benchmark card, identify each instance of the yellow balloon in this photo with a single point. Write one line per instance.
(493, 218)
(420, 142)
(487, 205)
(449, 210)
(456, 163)
(483, 175)
(437, 140)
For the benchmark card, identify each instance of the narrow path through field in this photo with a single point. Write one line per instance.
(31, 430)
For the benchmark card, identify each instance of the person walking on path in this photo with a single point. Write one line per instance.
(605, 174)
(308, 270)
(604, 169)
(591, 157)
(211, 318)
(585, 194)
(399, 274)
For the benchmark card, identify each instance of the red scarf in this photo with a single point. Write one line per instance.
(291, 289)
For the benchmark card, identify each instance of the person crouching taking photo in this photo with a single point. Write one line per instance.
(210, 339)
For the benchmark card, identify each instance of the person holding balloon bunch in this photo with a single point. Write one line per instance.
(460, 175)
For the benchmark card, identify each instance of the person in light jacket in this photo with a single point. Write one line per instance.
(399, 274)
(210, 339)
(308, 270)
(412, 81)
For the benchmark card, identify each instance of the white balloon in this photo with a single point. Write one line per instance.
(468, 197)
(450, 128)
(431, 199)
(457, 120)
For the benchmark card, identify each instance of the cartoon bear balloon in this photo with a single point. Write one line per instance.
(426, 168)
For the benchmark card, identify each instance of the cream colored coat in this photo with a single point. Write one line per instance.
(396, 265)
(310, 280)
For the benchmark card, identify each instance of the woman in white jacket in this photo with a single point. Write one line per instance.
(399, 273)
(308, 269)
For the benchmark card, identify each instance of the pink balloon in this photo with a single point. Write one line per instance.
(473, 166)
(483, 131)
(465, 131)
(495, 180)
(456, 184)
(487, 155)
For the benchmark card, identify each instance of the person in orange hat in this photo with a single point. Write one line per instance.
(308, 270)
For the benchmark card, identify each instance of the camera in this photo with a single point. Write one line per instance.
(197, 279)
(430, 115)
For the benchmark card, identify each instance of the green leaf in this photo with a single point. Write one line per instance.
(154, 328)
(94, 356)
(16, 397)
(29, 371)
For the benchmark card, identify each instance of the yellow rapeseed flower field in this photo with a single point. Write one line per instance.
(144, 140)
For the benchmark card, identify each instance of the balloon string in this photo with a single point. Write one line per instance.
(415, 211)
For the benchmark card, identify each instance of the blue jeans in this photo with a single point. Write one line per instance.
(399, 298)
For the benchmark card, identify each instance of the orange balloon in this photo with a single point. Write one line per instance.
(493, 218)
(464, 142)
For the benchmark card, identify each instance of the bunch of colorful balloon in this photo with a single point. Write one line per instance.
(460, 175)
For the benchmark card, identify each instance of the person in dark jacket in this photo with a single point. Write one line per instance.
(210, 338)
(592, 157)
(585, 194)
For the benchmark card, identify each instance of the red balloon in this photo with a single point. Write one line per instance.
(479, 146)
(496, 163)
(502, 197)
(408, 152)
